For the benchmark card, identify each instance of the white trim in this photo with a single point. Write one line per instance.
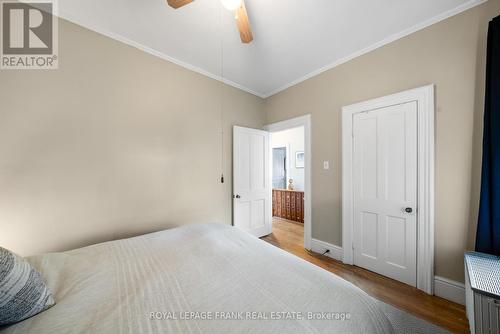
(443, 287)
(424, 97)
(304, 121)
(156, 53)
(449, 289)
(335, 252)
(419, 26)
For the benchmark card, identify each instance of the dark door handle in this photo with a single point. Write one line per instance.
(408, 210)
(237, 196)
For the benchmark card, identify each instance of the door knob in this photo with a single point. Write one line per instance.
(408, 210)
(237, 196)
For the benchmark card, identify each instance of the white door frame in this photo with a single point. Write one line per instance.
(424, 96)
(304, 121)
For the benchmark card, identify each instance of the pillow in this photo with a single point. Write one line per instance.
(23, 292)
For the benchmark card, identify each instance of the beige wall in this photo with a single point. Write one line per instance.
(117, 142)
(114, 143)
(449, 54)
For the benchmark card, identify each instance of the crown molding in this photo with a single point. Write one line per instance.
(438, 18)
(96, 28)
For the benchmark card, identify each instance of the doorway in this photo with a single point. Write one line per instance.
(388, 186)
(253, 181)
(279, 167)
(288, 177)
(290, 172)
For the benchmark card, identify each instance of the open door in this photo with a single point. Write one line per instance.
(251, 181)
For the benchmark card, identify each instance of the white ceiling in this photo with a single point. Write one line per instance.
(293, 39)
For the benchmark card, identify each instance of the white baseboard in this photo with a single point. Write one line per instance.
(449, 289)
(443, 287)
(335, 252)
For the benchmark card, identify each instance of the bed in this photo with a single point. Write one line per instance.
(206, 278)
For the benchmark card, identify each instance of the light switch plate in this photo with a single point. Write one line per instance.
(326, 165)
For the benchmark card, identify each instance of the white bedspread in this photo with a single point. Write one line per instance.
(208, 270)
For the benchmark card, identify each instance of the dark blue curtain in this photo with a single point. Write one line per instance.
(488, 228)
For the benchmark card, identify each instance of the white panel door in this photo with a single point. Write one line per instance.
(251, 181)
(385, 191)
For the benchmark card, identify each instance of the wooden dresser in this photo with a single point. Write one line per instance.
(288, 204)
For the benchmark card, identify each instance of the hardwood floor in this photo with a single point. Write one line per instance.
(289, 236)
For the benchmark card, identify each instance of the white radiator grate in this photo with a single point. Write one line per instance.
(484, 273)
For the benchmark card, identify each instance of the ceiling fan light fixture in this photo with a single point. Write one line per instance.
(231, 5)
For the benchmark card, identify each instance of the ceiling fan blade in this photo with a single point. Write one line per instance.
(243, 24)
(178, 3)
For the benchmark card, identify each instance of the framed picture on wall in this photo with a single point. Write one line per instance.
(299, 159)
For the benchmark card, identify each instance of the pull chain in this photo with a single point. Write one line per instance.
(221, 97)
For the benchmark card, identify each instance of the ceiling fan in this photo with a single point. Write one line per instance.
(240, 14)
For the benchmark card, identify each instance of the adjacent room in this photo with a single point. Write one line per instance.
(288, 177)
(249, 166)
